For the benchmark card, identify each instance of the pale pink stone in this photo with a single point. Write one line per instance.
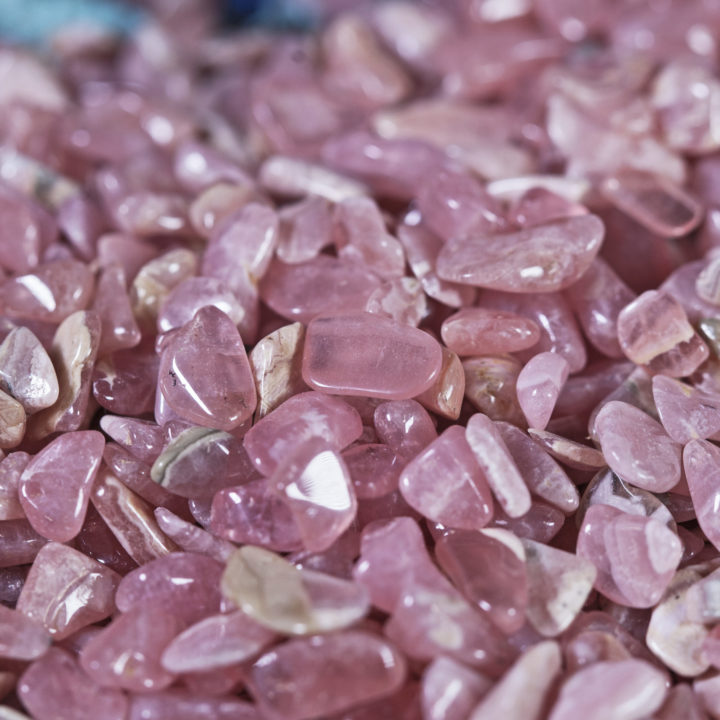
(521, 693)
(11, 467)
(56, 684)
(142, 438)
(706, 285)
(450, 690)
(21, 638)
(374, 469)
(198, 165)
(480, 331)
(654, 331)
(498, 466)
(12, 421)
(397, 361)
(597, 300)
(55, 486)
(19, 542)
(301, 417)
(625, 690)
(583, 392)
(305, 229)
(145, 214)
(119, 329)
(490, 387)
(445, 396)
(191, 538)
(204, 372)
(544, 258)
(315, 484)
(26, 371)
(184, 705)
(404, 426)
(538, 386)
(401, 299)
(66, 591)
(682, 285)
(569, 452)
(701, 461)
(539, 205)
(708, 693)
(354, 666)
(97, 541)
(686, 412)
(126, 653)
(637, 447)
(463, 499)
(212, 205)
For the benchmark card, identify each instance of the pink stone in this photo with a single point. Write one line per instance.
(450, 690)
(490, 387)
(542, 475)
(187, 585)
(191, 538)
(315, 484)
(681, 703)
(701, 460)
(56, 684)
(126, 653)
(404, 426)
(654, 331)
(82, 222)
(354, 666)
(212, 205)
(374, 469)
(204, 372)
(301, 417)
(11, 468)
(489, 569)
(305, 229)
(217, 641)
(26, 371)
(637, 448)
(597, 300)
(119, 329)
(541, 523)
(50, 293)
(655, 202)
(97, 541)
(583, 392)
(66, 591)
(128, 252)
(13, 421)
(142, 438)
(539, 385)
(686, 412)
(19, 542)
(401, 299)
(544, 258)
(21, 637)
(183, 705)
(397, 361)
(301, 291)
(635, 557)
(498, 466)
(480, 331)
(463, 500)
(539, 205)
(625, 690)
(445, 396)
(706, 285)
(55, 486)
(145, 214)
(198, 165)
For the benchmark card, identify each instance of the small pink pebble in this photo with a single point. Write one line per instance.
(539, 385)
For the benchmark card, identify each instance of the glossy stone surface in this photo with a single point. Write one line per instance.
(479, 331)
(490, 387)
(183, 705)
(112, 304)
(686, 412)
(191, 538)
(539, 385)
(700, 462)
(397, 361)
(444, 397)
(11, 468)
(22, 638)
(450, 690)
(12, 421)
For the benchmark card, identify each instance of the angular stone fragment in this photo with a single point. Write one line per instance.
(404, 426)
(450, 690)
(686, 412)
(481, 331)
(21, 638)
(539, 385)
(701, 461)
(444, 397)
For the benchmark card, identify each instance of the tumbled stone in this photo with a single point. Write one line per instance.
(66, 591)
(450, 690)
(637, 448)
(12, 421)
(184, 705)
(55, 486)
(112, 304)
(305, 229)
(686, 412)
(404, 426)
(19, 542)
(204, 372)
(26, 371)
(464, 499)
(125, 382)
(444, 397)
(374, 469)
(480, 331)
(558, 585)
(539, 385)
(142, 438)
(706, 284)
(288, 600)
(543, 258)
(681, 703)
(21, 638)
(190, 537)
(306, 415)
(701, 461)
(541, 523)
(396, 361)
(490, 387)
(354, 666)
(401, 299)
(11, 468)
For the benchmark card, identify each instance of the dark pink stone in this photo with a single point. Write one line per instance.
(301, 417)
(19, 542)
(204, 372)
(396, 362)
(119, 329)
(55, 486)
(96, 540)
(541, 523)
(124, 382)
(21, 638)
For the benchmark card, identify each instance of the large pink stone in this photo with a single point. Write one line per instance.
(637, 447)
(463, 499)
(21, 638)
(204, 372)
(55, 687)
(396, 361)
(539, 385)
(686, 412)
(301, 417)
(635, 556)
(701, 461)
(55, 486)
(450, 690)
(624, 690)
(544, 258)
(66, 591)
(353, 667)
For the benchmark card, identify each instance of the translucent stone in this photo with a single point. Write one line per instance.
(569, 452)
(126, 653)
(22, 637)
(637, 447)
(541, 523)
(19, 542)
(212, 205)
(559, 583)
(54, 488)
(142, 438)
(315, 484)
(655, 202)
(305, 229)
(26, 371)
(404, 426)
(11, 468)
(198, 165)
(324, 284)
(654, 331)
(707, 283)
(490, 387)
(583, 392)
(183, 705)
(450, 690)
(56, 682)
(191, 538)
(681, 704)
(686, 412)
(445, 396)
(401, 299)
(66, 591)
(521, 692)
(540, 205)
(354, 666)
(204, 372)
(625, 690)
(119, 329)
(539, 385)
(544, 258)
(125, 381)
(374, 469)
(463, 500)
(289, 600)
(397, 361)
(701, 462)
(12, 421)
(306, 415)
(97, 541)
(497, 465)
(480, 331)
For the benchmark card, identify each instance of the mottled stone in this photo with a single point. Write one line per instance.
(191, 538)
(142, 438)
(490, 387)
(12, 421)
(401, 299)
(701, 461)
(450, 690)
(19, 542)
(444, 397)
(11, 468)
(539, 385)
(21, 638)
(481, 331)
(686, 412)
